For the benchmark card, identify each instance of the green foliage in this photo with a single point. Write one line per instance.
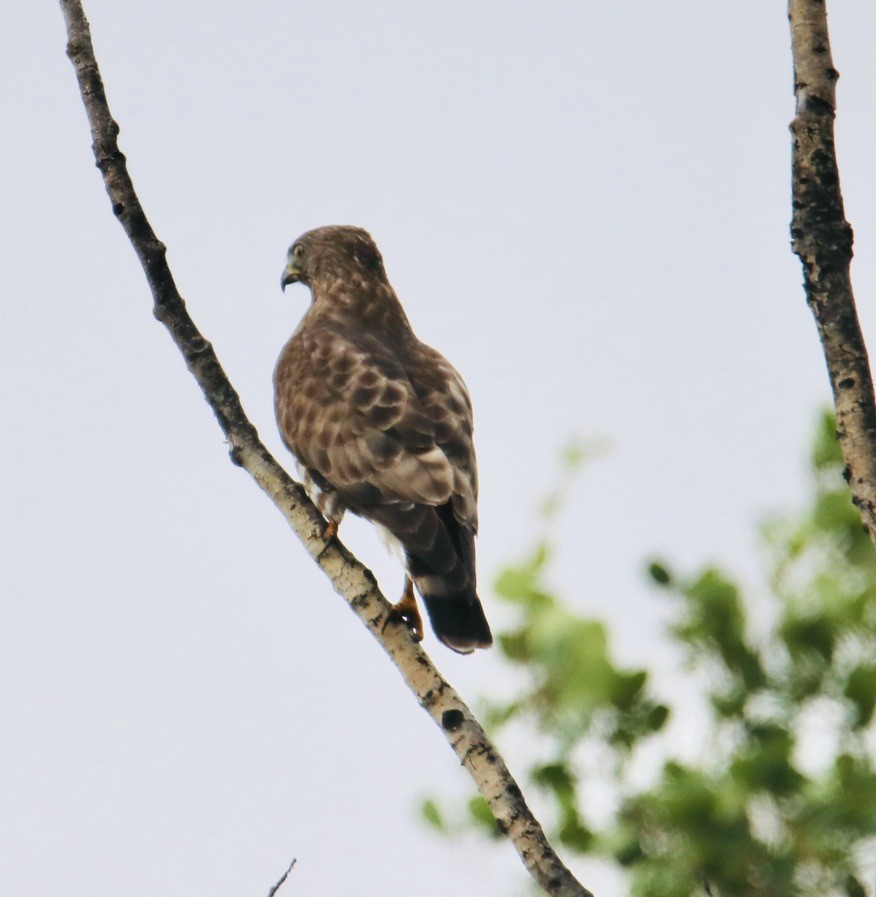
(432, 815)
(573, 688)
(758, 810)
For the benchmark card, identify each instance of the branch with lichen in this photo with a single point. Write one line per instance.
(822, 238)
(348, 576)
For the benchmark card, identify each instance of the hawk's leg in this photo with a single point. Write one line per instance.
(333, 516)
(327, 503)
(407, 611)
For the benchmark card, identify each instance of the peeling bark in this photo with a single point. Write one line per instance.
(822, 238)
(354, 582)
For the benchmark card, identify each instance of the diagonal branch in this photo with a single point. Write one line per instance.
(349, 577)
(822, 238)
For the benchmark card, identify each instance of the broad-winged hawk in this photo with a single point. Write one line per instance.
(381, 424)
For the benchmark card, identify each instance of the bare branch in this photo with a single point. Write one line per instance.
(822, 238)
(282, 880)
(350, 578)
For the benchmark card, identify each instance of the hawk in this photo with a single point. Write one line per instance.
(381, 424)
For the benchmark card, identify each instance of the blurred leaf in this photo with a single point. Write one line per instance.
(826, 449)
(627, 689)
(835, 511)
(657, 717)
(555, 776)
(575, 836)
(578, 452)
(813, 634)
(861, 691)
(432, 815)
(482, 816)
(765, 764)
(659, 572)
(624, 845)
(520, 586)
(853, 887)
(730, 702)
(495, 715)
(515, 645)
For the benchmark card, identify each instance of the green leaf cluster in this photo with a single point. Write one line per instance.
(780, 797)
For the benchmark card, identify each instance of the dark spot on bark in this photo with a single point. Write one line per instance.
(513, 791)
(118, 208)
(451, 720)
(818, 106)
(846, 383)
(198, 346)
(554, 884)
(359, 600)
(502, 826)
(847, 473)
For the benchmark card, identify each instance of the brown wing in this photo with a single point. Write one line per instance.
(348, 411)
(446, 402)
(391, 434)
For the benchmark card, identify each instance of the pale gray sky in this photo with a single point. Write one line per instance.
(584, 206)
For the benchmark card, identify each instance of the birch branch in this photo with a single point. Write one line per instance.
(822, 238)
(354, 582)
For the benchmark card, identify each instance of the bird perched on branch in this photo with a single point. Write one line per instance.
(381, 424)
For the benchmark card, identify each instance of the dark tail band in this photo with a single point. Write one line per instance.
(459, 622)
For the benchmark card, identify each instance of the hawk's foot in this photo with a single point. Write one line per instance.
(331, 531)
(406, 611)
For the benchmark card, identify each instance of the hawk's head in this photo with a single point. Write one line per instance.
(335, 251)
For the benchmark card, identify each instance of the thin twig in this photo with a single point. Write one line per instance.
(354, 582)
(282, 879)
(822, 238)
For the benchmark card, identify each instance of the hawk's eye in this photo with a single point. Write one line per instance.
(367, 257)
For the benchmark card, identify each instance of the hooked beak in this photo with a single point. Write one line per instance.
(291, 274)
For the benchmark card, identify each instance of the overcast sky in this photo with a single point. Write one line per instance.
(583, 205)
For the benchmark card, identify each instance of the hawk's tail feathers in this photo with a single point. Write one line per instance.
(458, 621)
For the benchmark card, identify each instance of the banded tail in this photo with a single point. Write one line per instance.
(439, 557)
